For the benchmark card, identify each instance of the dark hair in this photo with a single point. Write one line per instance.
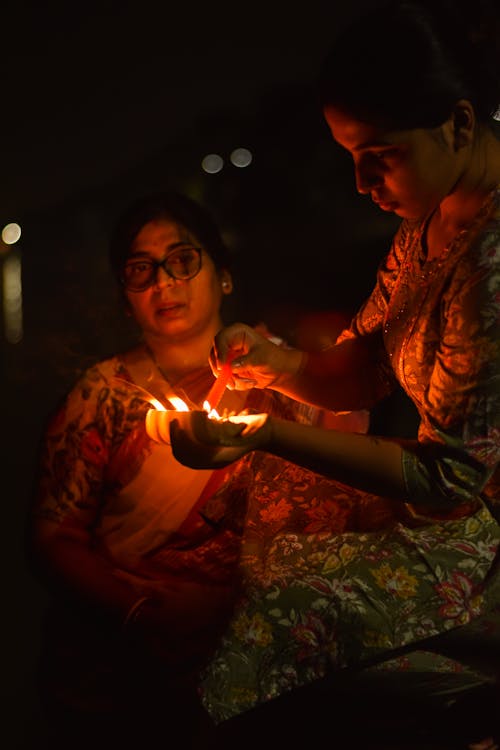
(172, 206)
(405, 64)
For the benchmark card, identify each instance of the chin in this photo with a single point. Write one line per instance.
(407, 213)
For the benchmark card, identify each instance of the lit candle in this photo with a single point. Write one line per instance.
(158, 418)
(158, 424)
(217, 390)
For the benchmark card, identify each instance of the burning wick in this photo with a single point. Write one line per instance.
(158, 418)
(217, 390)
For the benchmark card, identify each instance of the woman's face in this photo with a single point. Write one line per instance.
(408, 172)
(173, 308)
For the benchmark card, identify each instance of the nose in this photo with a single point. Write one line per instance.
(163, 278)
(367, 175)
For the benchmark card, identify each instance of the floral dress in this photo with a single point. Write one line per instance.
(391, 573)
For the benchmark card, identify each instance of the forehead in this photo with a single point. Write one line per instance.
(160, 233)
(356, 135)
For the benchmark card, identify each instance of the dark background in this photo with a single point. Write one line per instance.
(102, 102)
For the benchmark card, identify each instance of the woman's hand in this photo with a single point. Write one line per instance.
(203, 443)
(256, 362)
(183, 626)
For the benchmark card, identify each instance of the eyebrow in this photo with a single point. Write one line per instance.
(171, 248)
(374, 144)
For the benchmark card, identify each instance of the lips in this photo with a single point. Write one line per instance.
(169, 308)
(384, 204)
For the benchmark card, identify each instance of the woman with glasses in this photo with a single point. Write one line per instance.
(411, 91)
(140, 551)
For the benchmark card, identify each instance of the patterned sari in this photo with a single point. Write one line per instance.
(149, 517)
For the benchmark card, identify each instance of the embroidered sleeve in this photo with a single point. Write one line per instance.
(460, 431)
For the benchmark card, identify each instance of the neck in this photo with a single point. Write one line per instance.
(480, 176)
(176, 359)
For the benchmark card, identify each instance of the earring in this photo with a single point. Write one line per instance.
(225, 285)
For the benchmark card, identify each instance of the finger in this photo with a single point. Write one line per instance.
(224, 433)
(243, 384)
(232, 341)
(213, 361)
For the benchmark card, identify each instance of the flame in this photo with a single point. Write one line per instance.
(212, 413)
(158, 418)
(178, 403)
(156, 404)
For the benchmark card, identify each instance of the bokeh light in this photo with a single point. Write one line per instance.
(12, 299)
(241, 157)
(212, 163)
(11, 233)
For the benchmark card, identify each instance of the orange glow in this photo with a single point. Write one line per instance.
(252, 421)
(217, 390)
(178, 403)
(158, 418)
(212, 413)
(157, 405)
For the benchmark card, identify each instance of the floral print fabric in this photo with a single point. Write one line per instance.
(337, 577)
(150, 518)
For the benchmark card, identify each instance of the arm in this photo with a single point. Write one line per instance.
(365, 462)
(74, 570)
(67, 562)
(67, 503)
(345, 377)
(458, 448)
(76, 567)
(350, 375)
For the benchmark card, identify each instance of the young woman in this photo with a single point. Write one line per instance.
(410, 91)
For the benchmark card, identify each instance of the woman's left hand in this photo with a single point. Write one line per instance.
(204, 443)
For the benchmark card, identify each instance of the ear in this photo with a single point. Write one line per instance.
(226, 282)
(463, 122)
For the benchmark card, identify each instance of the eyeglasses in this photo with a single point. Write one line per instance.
(141, 273)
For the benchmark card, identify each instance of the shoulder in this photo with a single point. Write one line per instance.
(91, 384)
(481, 240)
(104, 371)
(488, 239)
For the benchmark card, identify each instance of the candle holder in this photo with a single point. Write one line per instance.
(202, 441)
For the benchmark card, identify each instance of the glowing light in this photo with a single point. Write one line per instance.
(252, 421)
(212, 413)
(212, 163)
(12, 299)
(157, 405)
(178, 403)
(216, 392)
(11, 233)
(241, 157)
(158, 418)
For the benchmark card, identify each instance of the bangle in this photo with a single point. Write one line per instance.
(134, 610)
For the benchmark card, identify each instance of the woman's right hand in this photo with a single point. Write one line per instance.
(256, 362)
(184, 626)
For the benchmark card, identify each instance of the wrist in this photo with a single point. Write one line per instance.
(293, 362)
